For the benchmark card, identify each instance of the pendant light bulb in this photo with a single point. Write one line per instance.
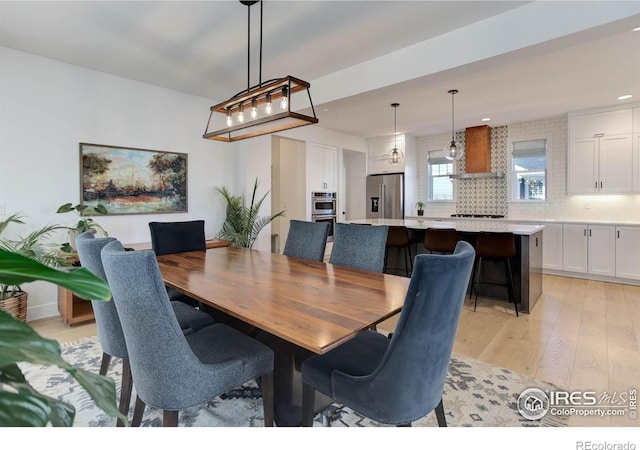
(453, 151)
(241, 113)
(229, 119)
(284, 103)
(254, 108)
(395, 155)
(267, 106)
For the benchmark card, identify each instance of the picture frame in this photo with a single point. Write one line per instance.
(129, 180)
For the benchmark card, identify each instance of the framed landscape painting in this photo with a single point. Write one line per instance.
(133, 180)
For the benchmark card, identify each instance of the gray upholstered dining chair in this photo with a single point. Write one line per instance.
(399, 380)
(359, 246)
(177, 237)
(172, 371)
(306, 240)
(108, 323)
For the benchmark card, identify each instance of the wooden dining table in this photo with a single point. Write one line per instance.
(300, 307)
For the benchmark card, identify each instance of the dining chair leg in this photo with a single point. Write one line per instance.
(308, 399)
(104, 365)
(125, 390)
(266, 386)
(477, 281)
(473, 277)
(512, 295)
(138, 412)
(169, 418)
(442, 421)
(406, 261)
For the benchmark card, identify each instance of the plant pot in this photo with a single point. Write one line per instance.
(16, 305)
(421, 212)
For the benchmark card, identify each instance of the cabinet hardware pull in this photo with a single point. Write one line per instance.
(585, 231)
(589, 233)
(536, 242)
(601, 185)
(596, 185)
(598, 135)
(618, 234)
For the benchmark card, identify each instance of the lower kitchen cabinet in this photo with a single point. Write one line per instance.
(574, 248)
(602, 250)
(589, 249)
(628, 252)
(552, 246)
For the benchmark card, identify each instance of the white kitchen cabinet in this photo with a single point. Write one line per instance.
(589, 249)
(600, 157)
(552, 246)
(628, 252)
(322, 168)
(602, 250)
(378, 152)
(574, 248)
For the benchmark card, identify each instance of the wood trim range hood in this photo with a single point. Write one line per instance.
(478, 154)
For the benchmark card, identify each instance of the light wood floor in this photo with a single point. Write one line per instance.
(581, 335)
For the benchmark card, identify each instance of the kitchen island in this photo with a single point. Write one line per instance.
(526, 265)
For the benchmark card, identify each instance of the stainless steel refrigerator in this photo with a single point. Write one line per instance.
(385, 196)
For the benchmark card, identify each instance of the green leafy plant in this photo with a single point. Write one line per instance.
(31, 246)
(20, 403)
(242, 224)
(84, 223)
(420, 205)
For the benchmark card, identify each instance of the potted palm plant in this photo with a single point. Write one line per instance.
(242, 223)
(420, 207)
(20, 404)
(33, 246)
(84, 223)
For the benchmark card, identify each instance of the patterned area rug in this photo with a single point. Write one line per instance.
(476, 394)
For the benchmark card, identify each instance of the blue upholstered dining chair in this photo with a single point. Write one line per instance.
(359, 246)
(108, 323)
(177, 237)
(399, 380)
(172, 371)
(306, 240)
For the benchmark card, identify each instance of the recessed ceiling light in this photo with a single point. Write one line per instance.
(636, 29)
(486, 119)
(624, 97)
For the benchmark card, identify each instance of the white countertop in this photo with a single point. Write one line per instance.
(532, 221)
(460, 225)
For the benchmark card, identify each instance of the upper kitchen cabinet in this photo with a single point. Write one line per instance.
(600, 157)
(322, 168)
(379, 151)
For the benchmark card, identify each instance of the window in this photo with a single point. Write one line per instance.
(529, 170)
(439, 185)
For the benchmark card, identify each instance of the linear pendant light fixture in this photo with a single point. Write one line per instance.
(395, 155)
(454, 150)
(261, 109)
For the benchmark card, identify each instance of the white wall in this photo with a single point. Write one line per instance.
(47, 108)
(288, 185)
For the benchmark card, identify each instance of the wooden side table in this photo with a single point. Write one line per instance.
(73, 309)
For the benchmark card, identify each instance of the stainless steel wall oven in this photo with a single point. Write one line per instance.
(323, 209)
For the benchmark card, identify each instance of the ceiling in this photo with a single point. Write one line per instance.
(201, 48)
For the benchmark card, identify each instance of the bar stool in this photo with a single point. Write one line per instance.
(497, 246)
(441, 240)
(398, 237)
